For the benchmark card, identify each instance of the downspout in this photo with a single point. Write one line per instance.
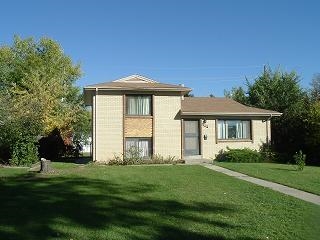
(267, 129)
(95, 125)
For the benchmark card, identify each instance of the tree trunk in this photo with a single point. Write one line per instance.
(45, 165)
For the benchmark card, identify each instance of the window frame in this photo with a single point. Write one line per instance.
(150, 149)
(127, 96)
(249, 139)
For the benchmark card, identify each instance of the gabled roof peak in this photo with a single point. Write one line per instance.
(135, 79)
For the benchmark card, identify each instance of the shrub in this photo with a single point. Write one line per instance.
(300, 160)
(116, 160)
(24, 153)
(159, 159)
(52, 146)
(239, 155)
(267, 153)
(133, 157)
(4, 154)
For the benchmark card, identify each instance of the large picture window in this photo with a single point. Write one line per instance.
(141, 146)
(234, 129)
(138, 105)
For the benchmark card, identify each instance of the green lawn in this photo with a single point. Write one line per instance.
(146, 202)
(307, 180)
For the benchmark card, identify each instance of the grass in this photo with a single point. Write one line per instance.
(307, 180)
(146, 202)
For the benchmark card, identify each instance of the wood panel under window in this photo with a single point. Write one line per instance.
(138, 127)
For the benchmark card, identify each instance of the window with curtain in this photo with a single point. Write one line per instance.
(138, 105)
(142, 145)
(234, 129)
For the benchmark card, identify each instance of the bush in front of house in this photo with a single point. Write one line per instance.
(133, 157)
(268, 154)
(245, 155)
(159, 159)
(116, 160)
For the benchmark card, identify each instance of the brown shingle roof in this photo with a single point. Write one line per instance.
(220, 106)
(138, 86)
(137, 82)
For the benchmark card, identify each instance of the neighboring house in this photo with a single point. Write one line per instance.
(87, 146)
(157, 119)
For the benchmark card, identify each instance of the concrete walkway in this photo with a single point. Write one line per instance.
(309, 197)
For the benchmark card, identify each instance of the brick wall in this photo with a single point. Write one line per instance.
(108, 133)
(211, 147)
(167, 129)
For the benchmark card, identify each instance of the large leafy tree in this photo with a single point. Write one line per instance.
(238, 94)
(37, 91)
(312, 135)
(273, 89)
(276, 90)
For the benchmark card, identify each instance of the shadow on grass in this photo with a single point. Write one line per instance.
(34, 206)
(285, 169)
(77, 160)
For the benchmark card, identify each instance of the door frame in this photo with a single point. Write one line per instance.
(199, 136)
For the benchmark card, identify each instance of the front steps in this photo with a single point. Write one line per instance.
(196, 160)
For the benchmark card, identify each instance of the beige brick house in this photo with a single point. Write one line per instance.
(156, 118)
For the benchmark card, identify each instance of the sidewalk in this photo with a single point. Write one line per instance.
(309, 197)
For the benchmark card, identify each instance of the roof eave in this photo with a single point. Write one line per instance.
(233, 114)
(139, 89)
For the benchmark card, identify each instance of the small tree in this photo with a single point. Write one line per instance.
(300, 160)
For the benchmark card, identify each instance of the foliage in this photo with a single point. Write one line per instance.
(116, 160)
(300, 160)
(239, 155)
(52, 146)
(276, 90)
(315, 88)
(18, 132)
(237, 94)
(41, 71)
(159, 159)
(133, 157)
(82, 127)
(24, 153)
(298, 127)
(273, 89)
(312, 133)
(189, 94)
(267, 153)
(37, 92)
